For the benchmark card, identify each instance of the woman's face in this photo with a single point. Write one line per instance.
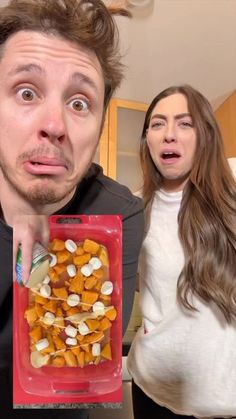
(171, 138)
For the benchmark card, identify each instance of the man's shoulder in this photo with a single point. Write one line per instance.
(116, 189)
(101, 194)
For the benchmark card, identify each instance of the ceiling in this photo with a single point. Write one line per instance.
(179, 41)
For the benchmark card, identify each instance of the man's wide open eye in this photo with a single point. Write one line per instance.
(26, 94)
(79, 105)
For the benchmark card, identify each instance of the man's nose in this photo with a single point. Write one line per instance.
(53, 125)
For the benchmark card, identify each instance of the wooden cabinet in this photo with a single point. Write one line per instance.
(226, 117)
(118, 152)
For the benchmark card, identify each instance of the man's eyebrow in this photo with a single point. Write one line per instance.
(83, 79)
(75, 77)
(164, 117)
(21, 68)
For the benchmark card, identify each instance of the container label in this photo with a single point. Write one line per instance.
(39, 255)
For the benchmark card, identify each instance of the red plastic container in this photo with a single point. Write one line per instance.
(93, 380)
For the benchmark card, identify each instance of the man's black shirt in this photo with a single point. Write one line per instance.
(96, 194)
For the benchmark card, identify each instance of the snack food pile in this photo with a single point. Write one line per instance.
(70, 312)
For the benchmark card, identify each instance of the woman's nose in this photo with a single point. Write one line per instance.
(170, 133)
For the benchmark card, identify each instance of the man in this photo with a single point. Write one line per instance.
(58, 69)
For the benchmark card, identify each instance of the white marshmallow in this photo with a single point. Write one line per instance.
(71, 331)
(83, 328)
(48, 318)
(99, 308)
(70, 245)
(53, 260)
(42, 344)
(38, 360)
(96, 349)
(71, 341)
(71, 270)
(73, 300)
(107, 288)
(45, 290)
(95, 262)
(87, 269)
(46, 280)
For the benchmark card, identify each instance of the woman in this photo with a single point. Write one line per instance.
(183, 359)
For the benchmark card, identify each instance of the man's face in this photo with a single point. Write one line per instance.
(171, 138)
(51, 108)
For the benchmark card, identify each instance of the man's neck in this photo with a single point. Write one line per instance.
(12, 203)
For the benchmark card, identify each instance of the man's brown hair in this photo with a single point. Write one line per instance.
(86, 22)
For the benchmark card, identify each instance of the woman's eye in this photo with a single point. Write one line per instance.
(26, 94)
(157, 124)
(187, 124)
(79, 105)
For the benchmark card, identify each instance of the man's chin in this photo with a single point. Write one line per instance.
(43, 196)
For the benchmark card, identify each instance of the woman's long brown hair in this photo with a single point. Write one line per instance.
(207, 216)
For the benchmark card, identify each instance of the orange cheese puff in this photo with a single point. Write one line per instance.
(98, 285)
(106, 351)
(90, 282)
(60, 268)
(105, 324)
(91, 246)
(88, 357)
(111, 314)
(60, 293)
(103, 256)
(58, 362)
(39, 310)
(93, 337)
(93, 324)
(80, 338)
(57, 245)
(65, 306)
(77, 283)
(54, 277)
(36, 333)
(70, 358)
(59, 312)
(76, 351)
(80, 359)
(89, 297)
(72, 311)
(40, 300)
(98, 273)
(51, 306)
(106, 299)
(59, 343)
(79, 251)
(63, 256)
(82, 260)
(31, 315)
(55, 331)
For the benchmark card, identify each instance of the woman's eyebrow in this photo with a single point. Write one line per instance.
(177, 116)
